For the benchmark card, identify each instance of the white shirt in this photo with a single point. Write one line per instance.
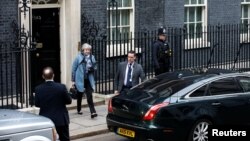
(126, 74)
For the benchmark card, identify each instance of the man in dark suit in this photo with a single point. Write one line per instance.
(52, 98)
(128, 75)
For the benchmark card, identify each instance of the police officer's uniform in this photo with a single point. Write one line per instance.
(161, 54)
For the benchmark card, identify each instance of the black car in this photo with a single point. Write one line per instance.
(181, 105)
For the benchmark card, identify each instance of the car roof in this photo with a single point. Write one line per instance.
(169, 84)
(13, 121)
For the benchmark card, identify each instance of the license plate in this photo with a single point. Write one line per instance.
(126, 132)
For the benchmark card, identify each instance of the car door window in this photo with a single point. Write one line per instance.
(199, 92)
(224, 86)
(245, 83)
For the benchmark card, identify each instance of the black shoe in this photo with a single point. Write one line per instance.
(79, 113)
(94, 115)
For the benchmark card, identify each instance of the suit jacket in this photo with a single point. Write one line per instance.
(120, 75)
(52, 98)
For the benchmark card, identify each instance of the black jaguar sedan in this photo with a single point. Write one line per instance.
(180, 106)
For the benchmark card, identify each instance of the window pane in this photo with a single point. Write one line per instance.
(125, 33)
(224, 86)
(115, 18)
(191, 30)
(199, 92)
(245, 11)
(247, 0)
(127, 3)
(198, 30)
(187, 1)
(125, 30)
(201, 1)
(193, 1)
(245, 22)
(245, 83)
(199, 27)
(244, 27)
(119, 2)
(199, 14)
(191, 14)
(125, 17)
(113, 33)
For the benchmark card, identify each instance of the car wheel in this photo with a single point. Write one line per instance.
(199, 131)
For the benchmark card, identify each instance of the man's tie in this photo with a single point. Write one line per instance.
(129, 83)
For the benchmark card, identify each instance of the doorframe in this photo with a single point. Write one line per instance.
(69, 34)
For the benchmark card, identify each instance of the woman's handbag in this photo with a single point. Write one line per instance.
(73, 92)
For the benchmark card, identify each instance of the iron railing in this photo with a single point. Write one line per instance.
(15, 89)
(219, 46)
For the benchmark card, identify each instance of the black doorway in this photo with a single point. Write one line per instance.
(45, 31)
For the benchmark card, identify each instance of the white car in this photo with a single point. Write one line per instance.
(22, 126)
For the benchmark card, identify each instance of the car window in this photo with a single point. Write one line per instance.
(224, 86)
(245, 83)
(199, 92)
(158, 93)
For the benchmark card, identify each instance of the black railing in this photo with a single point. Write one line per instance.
(14, 83)
(220, 46)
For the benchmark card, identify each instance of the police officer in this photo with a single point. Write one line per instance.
(161, 53)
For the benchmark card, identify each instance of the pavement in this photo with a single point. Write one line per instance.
(82, 125)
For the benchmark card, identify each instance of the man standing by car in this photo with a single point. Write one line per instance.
(52, 99)
(128, 74)
(161, 53)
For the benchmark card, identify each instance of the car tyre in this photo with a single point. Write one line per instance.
(199, 130)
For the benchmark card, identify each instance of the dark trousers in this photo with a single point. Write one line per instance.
(88, 92)
(63, 132)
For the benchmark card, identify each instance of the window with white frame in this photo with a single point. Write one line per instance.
(245, 20)
(195, 18)
(120, 20)
(120, 26)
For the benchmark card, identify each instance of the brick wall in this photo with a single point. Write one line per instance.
(149, 14)
(8, 13)
(174, 13)
(224, 12)
(96, 10)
